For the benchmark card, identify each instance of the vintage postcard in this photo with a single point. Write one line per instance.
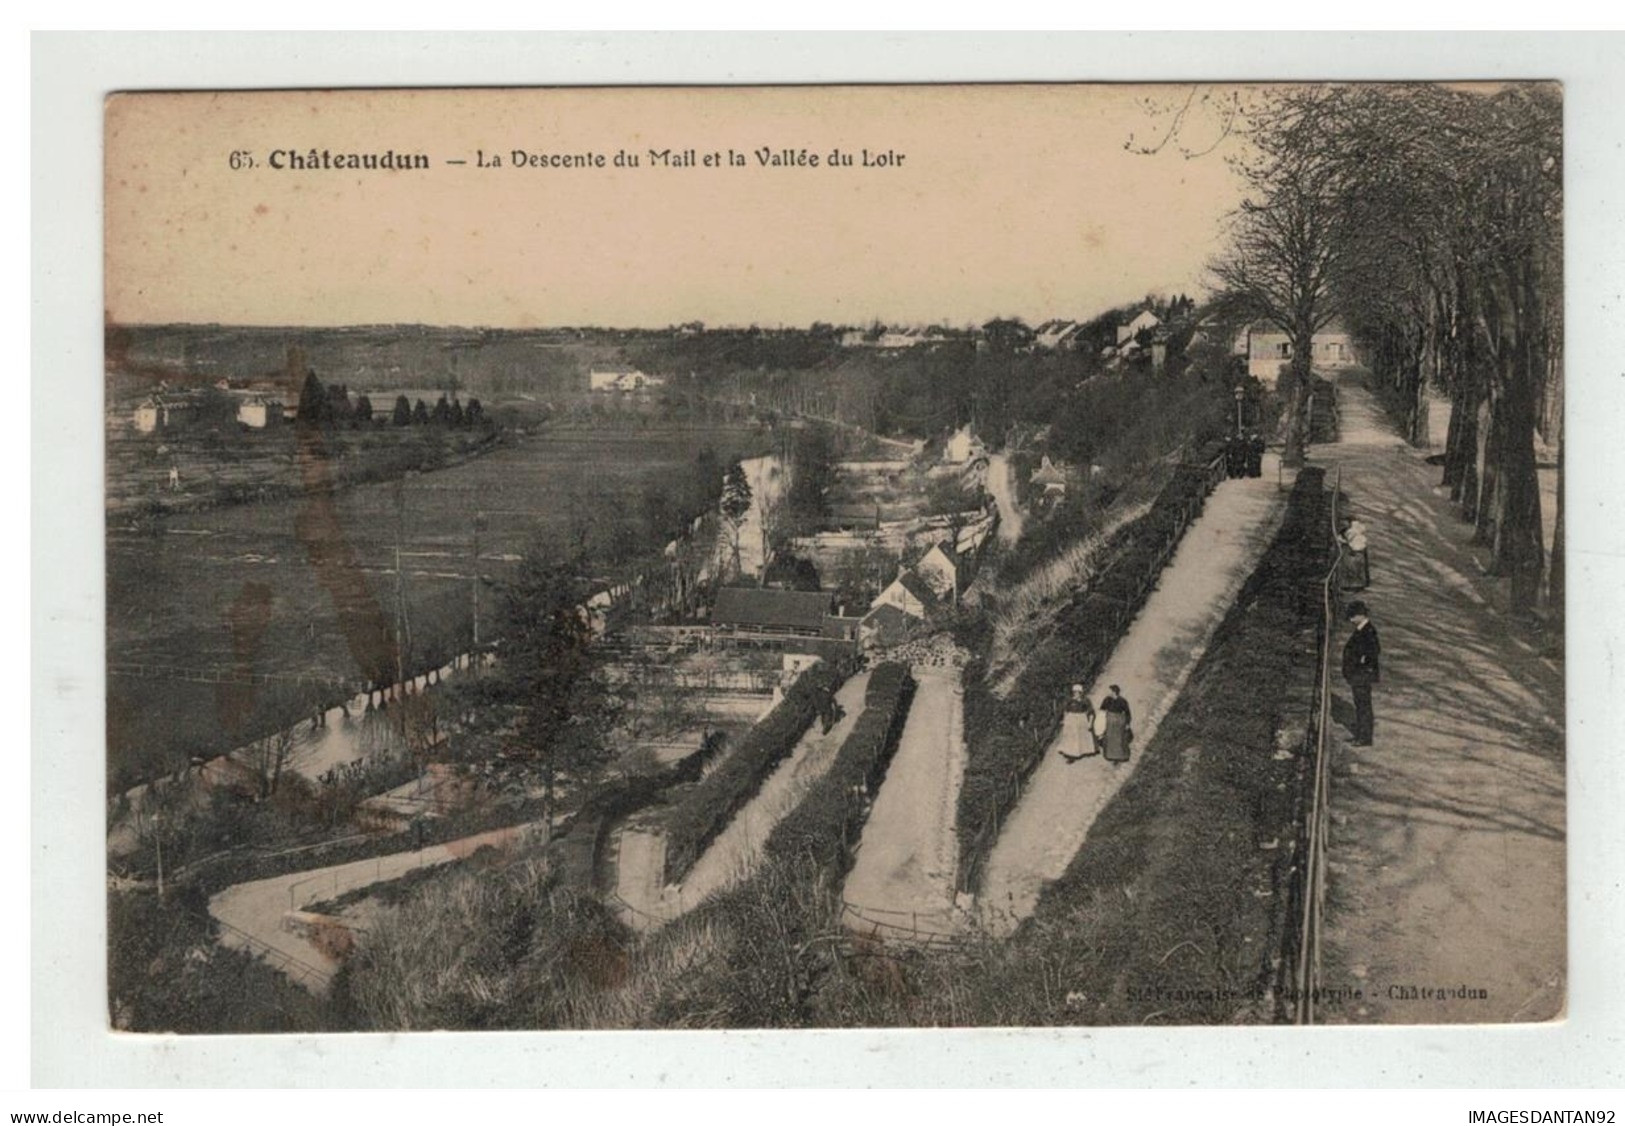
(848, 556)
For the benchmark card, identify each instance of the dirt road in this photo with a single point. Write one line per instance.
(1447, 889)
(253, 912)
(907, 857)
(1151, 663)
(641, 858)
(1001, 483)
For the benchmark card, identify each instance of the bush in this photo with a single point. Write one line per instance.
(706, 810)
(825, 825)
(508, 947)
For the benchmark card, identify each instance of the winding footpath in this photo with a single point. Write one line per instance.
(1153, 661)
(903, 877)
(643, 900)
(253, 914)
(1001, 482)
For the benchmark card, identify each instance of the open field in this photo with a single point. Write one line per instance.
(303, 591)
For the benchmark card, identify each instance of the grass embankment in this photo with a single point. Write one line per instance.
(1177, 904)
(520, 946)
(1180, 893)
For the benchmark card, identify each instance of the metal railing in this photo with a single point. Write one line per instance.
(1305, 975)
(901, 927)
(296, 968)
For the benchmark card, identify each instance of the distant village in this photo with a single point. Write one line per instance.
(1145, 336)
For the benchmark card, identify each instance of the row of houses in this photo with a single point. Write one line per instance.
(919, 594)
(176, 410)
(1267, 348)
(884, 337)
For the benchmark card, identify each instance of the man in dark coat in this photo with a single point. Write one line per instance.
(1361, 656)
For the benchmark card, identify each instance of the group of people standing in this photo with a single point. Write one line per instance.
(1086, 732)
(1244, 455)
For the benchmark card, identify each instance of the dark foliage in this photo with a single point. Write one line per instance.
(705, 811)
(825, 825)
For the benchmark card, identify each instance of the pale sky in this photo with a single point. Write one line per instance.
(1010, 200)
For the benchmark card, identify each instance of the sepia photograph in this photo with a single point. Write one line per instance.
(835, 557)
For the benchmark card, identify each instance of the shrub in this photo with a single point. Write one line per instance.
(705, 811)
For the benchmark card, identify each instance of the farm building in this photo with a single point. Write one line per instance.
(796, 613)
(163, 412)
(257, 412)
(808, 620)
(622, 379)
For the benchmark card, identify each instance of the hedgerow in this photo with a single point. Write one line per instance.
(825, 825)
(695, 820)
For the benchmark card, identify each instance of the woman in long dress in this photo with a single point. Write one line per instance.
(1118, 718)
(1077, 727)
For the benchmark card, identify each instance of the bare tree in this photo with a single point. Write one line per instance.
(267, 758)
(1279, 266)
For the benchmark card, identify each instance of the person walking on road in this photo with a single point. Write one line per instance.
(1361, 668)
(1356, 556)
(1078, 727)
(1118, 733)
(1255, 455)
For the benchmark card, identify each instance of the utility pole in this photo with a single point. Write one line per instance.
(158, 843)
(402, 636)
(475, 655)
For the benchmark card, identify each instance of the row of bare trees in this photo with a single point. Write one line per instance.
(1428, 218)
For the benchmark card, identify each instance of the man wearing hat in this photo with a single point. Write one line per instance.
(1361, 655)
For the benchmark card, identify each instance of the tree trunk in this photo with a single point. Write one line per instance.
(1463, 455)
(1520, 546)
(1556, 585)
(1296, 395)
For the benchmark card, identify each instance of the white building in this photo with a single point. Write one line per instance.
(622, 379)
(1268, 349)
(1146, 319)
(962, 447)
(162, 412)
(939, 567)
(257, 412)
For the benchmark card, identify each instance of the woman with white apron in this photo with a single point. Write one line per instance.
(1077, 727)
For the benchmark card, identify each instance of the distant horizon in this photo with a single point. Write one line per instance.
(955, 326)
